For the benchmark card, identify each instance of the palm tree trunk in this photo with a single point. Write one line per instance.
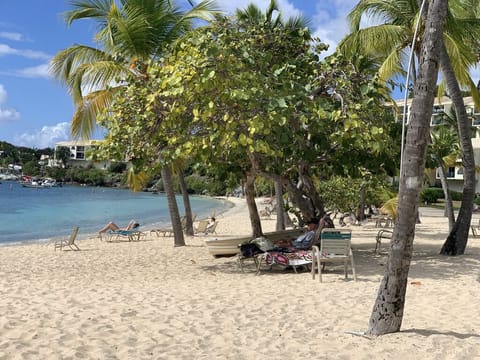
(186, 204)
(387, 313)
(457, 238)
(448, 199)
(179, 240)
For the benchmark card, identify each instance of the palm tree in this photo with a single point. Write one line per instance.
(391, 41)
(253, 15)
(129, 36)
(444, 151)
(387, 313)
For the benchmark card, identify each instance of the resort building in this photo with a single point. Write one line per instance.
(441, 108)
(77, 154)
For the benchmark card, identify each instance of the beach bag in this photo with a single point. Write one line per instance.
(263, 243)
(250, 250)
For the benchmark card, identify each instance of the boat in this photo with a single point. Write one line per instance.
(30, 182)
(230, 246)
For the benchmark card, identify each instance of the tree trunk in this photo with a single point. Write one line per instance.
(361, 204)
(387, 313)
(448, 199)
(457, 238)
(186, 204)
(281, 223)
(172, 206)
(252, 206)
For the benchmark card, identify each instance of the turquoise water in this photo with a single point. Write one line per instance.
(41, 214)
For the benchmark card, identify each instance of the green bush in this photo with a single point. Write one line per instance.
(431, 195)
(455, 195)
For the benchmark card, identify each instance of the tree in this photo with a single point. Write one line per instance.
(457, 238)
(444, 151)
(388, 43)
(387, 313)
(129, 36)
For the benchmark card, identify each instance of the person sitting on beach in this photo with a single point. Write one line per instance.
(211, 223)
(114, 227)
(305, 241)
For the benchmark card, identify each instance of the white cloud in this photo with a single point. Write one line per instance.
(286, 7)
(3, 94)
(35, 72)
(11, 36)
(330, 22)
(48, 136)
(6, 114)
(31, 54)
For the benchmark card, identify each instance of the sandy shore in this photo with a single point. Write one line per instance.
(149, 300)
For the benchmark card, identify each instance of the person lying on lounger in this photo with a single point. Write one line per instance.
(114, 227)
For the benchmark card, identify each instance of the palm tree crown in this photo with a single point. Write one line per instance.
(130, 33)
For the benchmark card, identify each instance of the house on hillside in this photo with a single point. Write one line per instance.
(77, 154)
(441, 108)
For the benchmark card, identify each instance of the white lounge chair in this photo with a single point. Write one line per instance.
(335, 246)
(70, 241)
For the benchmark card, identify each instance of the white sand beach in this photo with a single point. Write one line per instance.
(149, 300)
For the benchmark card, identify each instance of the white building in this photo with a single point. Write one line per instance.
(440, 108)
(79, 153)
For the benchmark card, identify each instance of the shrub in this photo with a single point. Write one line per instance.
(456, 195)
(430, 195)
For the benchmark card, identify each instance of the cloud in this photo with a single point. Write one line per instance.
(6, 114)
(34, 72)
(330, 22)
(286, 8)
(3, 94)
(6, 50)
(48, 136)
(12, 36)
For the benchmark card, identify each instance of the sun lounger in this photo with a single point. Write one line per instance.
(335, 246)
(70, 241)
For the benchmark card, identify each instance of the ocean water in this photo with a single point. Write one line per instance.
(31, 214)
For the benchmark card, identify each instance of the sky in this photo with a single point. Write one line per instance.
(35, 109)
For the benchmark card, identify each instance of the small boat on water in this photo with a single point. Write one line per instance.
(230, 246)
(30, 182)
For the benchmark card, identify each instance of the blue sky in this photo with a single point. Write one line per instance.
(35, 110)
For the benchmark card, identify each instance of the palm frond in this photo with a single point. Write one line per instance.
(88, 9)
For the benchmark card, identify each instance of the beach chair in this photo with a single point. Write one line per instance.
(132, 235)
(201, 227)
(335, 247)
(70, 241)
(166, 232)
(382, 235)
(212, 229)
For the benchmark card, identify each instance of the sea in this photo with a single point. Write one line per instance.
(42, 214)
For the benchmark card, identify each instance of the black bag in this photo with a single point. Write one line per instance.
(250, 250)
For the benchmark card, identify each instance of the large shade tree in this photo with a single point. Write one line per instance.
(227, 99)
(130, 33)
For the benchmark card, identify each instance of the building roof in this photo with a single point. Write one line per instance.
(79, 143)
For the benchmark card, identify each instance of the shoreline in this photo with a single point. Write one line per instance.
(151, 300)
(30, 216)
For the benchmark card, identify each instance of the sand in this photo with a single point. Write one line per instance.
(149, 300)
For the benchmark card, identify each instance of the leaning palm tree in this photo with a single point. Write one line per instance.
(444, 150)
(130, 34)
(391, 39)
